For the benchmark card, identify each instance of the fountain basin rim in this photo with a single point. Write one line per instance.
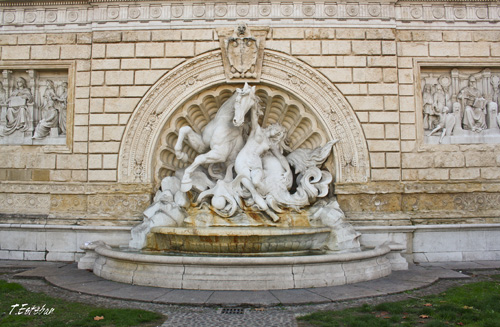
(239, 231)
(378, 251)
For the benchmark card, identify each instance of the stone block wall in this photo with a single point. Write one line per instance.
(362, 64)
(377, 70)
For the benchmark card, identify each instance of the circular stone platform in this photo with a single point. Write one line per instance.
(241, 273)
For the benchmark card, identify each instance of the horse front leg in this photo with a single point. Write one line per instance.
(193, 139)
(207, 158)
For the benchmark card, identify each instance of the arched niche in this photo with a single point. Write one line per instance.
(191, 93)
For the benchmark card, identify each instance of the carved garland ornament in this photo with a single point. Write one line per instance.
(146, 126)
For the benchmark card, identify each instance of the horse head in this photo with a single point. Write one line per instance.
(245, 100)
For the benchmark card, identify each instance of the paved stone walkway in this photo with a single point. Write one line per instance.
(240, 308)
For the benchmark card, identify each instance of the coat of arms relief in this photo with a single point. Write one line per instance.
(243, 51)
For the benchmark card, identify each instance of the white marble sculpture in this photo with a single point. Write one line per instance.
(474, 97)
(263, 182)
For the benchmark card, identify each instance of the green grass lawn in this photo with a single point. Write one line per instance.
(476, 304)
(64, 313)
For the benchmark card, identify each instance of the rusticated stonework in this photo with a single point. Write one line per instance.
(419, 203)
(72, 203)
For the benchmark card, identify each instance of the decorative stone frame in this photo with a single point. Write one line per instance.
(418, 65)
(143, 130)
(70, 67)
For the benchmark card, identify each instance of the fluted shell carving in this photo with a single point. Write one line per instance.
(304, 130)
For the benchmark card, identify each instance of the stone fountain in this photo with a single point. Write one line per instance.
(247, 213)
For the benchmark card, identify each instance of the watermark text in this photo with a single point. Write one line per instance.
(30, 310)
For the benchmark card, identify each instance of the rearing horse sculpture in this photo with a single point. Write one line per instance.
(222, 138)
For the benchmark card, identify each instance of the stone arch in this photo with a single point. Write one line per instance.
(323, 100)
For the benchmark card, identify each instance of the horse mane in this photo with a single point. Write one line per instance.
(227, 106)
(259, 105)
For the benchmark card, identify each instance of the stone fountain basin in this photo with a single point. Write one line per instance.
(241, 273)
(236, 241)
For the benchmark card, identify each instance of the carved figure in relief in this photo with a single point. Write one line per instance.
(62, 93)
(50, 112)
(37, 112)
(3, 94)
(498, 119)
(457, 113)
(438, 100)
(222, 138)
(492, 115)
(475, 111)
(18, 117)
(446, 124)
(428, 102)
(495, 83)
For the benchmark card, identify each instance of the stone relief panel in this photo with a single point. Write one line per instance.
(460, 106)
(33, 106)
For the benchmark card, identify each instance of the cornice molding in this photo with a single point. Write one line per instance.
(23, 3)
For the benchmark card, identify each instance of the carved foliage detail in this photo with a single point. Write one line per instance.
(477, 201)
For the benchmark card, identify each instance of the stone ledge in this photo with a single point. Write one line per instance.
(66, 227)
(74, 188)
(417, 187)
(410, 229)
